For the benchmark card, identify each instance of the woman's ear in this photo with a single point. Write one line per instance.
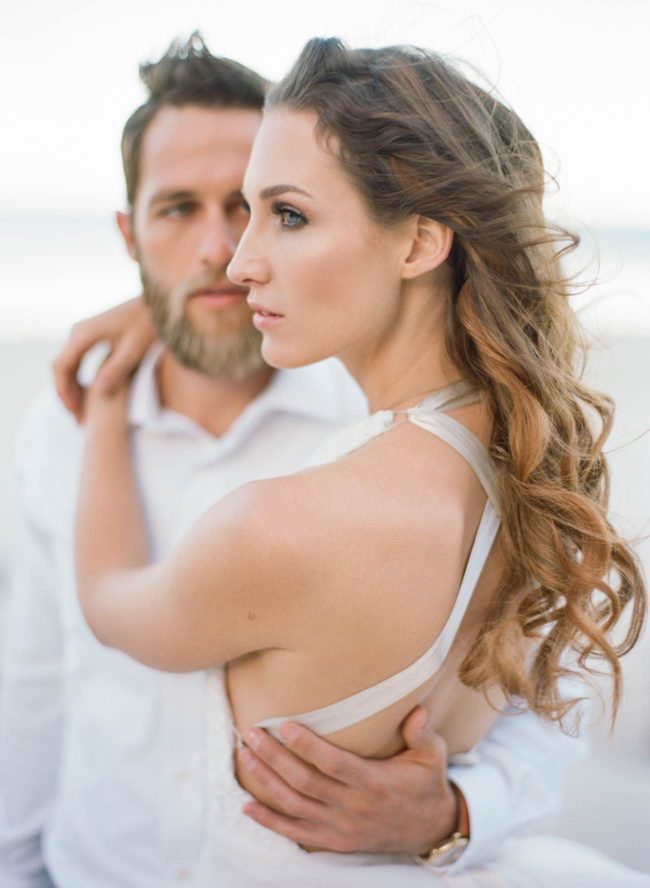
(125, 224)
(430, 244)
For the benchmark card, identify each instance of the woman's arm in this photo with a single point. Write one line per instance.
(226, 590)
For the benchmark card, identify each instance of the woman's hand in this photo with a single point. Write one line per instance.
(103, 411)
(129, 331)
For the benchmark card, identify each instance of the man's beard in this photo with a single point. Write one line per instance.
(232, 354)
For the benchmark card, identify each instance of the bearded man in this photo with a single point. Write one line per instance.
(104, 760)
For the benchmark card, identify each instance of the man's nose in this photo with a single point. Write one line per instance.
(218, 243)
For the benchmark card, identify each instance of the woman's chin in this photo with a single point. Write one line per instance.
(283, 358)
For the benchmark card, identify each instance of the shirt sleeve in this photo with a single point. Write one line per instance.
(515, 787)
(31, 708)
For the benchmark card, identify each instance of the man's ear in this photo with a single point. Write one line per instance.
(125, 224)
(430, 245)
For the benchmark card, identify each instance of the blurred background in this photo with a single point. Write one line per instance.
(576, 71)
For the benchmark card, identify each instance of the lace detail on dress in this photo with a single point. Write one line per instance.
(225, 822)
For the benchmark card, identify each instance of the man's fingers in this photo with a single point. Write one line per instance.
(340, 765)
(284, 796)
(420, 737)
(293, 770)
(300, 831)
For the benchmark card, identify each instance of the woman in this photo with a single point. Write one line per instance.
(396, 223)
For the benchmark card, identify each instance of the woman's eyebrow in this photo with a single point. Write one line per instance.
(275, 190)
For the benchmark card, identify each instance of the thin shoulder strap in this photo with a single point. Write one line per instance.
(462, 440)
(481, 548)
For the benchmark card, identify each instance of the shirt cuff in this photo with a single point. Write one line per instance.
(487, 805)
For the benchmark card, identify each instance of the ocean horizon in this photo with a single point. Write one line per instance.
(55, 270)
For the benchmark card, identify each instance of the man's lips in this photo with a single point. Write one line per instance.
(219, 297)
(220, 291)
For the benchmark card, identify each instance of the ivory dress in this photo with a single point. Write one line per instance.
(239, 853)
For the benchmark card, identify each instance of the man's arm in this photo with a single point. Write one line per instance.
(404, 804)
(30, 710)
(516, 787)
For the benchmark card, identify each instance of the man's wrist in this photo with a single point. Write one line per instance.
(462, 815)
(455, 839)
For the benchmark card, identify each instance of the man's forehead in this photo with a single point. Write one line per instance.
(180, 140)
(190, 127)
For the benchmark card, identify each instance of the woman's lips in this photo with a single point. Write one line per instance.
(264, 319)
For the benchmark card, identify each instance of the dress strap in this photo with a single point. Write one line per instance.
(429, 415)
(359, 706)
(462, 440)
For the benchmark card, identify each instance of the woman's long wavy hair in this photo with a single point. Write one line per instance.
(417, 137)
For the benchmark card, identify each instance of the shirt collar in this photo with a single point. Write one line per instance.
(321, 391)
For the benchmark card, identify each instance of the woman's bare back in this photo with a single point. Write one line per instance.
(385, 533)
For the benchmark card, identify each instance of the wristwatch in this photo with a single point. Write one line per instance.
(451, 848)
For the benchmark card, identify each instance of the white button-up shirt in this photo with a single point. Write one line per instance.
(103, 760)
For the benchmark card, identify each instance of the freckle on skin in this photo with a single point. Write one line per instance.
(251, 615)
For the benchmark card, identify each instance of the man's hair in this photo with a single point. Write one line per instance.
(187, 74)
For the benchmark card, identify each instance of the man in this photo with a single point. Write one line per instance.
(104, 768)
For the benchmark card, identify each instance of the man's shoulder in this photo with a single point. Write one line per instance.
(47, 428)
(47, 460)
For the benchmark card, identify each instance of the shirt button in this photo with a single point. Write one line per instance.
(183, 874)
(183, 775)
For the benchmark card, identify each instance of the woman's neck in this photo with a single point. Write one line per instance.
(409, 361)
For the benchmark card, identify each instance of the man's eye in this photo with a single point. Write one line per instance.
(237, 206)
(290, 218)
(179, 209)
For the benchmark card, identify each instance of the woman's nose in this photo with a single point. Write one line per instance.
(247, 267)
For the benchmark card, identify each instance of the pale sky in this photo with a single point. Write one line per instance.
(576, 71)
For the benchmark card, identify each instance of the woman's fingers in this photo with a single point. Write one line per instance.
(120, 364)
(65, 367)
(128, 330)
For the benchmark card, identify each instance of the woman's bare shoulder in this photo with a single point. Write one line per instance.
(402, 484)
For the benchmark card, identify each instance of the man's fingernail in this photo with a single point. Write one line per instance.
(253, 738)
(248, 760)
(289, 731)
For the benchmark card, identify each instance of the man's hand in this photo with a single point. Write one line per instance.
(129, 331)
(341, 802)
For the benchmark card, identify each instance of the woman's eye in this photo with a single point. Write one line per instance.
(290, 218)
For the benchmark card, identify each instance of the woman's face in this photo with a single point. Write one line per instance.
(324, 278)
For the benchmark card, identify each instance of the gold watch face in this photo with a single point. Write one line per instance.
(446, 854)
